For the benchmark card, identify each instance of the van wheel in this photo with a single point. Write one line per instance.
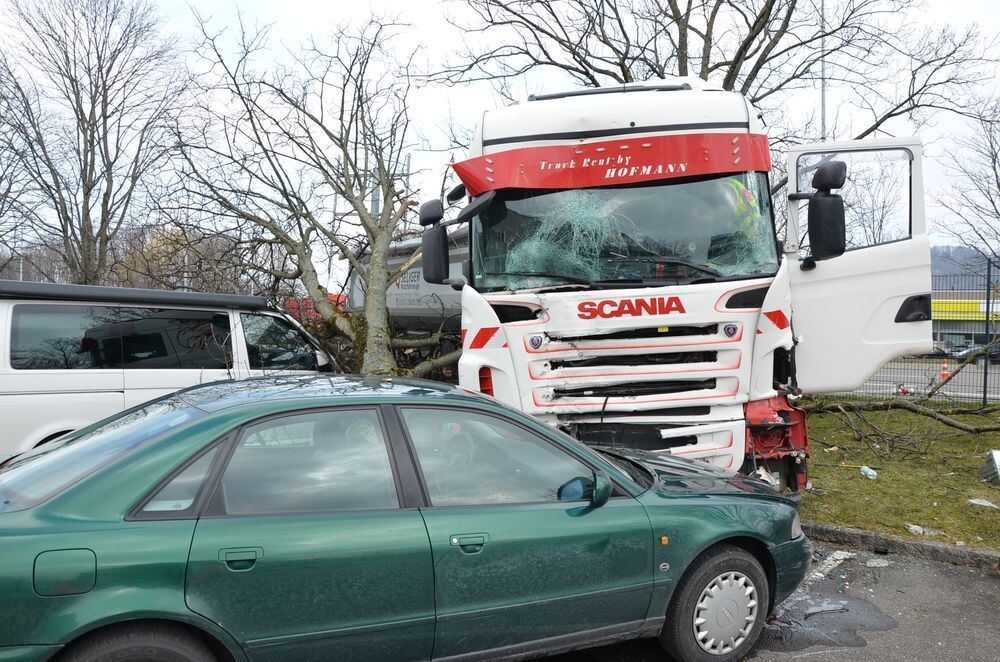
(718, 609)
(140, 643)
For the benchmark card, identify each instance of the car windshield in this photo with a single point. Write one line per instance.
(695, 229)
(39, 474)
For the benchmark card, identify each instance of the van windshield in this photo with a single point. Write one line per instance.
(36, 476)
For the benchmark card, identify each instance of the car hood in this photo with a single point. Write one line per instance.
(681, 476)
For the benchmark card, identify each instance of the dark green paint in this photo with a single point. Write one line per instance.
(387, 585)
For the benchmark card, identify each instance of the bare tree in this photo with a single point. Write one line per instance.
(312, 159)
(887, 67)
(88, 91)
(972, 204)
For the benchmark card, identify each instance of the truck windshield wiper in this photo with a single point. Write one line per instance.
(543, 274)
(669, 260)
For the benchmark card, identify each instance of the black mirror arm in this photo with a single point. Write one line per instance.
(799, 196)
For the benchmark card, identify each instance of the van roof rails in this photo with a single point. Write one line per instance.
(611, 90)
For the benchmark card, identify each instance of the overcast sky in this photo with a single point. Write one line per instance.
(292, 21)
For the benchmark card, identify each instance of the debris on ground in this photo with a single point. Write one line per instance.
(877, 563)
(831, 449)
(984, 503)
(869, 473)
(917, 530)
(990, 471)
(826, 609)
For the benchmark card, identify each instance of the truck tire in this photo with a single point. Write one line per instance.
(718, 608)
(155, 642)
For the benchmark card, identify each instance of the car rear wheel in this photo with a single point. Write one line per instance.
(718, 609)
(140, 643)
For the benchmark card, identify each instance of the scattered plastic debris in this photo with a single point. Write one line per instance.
(877, 563)
(990, 472)
(918, 530)
(984, 503)
(831, 449)
(826, 609)
(869, 473)
(959, 543)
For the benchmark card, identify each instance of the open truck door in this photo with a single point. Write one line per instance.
(855, 310)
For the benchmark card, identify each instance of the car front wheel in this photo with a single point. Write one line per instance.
(718, 608)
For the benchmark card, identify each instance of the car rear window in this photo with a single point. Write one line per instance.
(43, 472)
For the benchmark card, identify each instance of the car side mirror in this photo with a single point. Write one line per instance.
(434, 259)
(602, 489)
(827, 226)
(431, 212)
(596, 489)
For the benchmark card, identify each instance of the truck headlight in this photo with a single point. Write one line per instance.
(796, 527)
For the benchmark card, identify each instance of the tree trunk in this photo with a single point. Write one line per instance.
(377, 358)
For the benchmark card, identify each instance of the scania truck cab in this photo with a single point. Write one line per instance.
(626, 283)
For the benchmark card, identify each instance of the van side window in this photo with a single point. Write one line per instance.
(56, 337)
(274, 344)
(163, 339)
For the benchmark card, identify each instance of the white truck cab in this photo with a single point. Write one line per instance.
(71, 355)
(626, 284)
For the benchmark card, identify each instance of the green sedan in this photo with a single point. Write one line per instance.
(348, 518)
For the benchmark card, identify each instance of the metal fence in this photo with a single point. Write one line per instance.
(966, 317)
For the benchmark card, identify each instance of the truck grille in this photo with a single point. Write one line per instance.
(635, 389)
(648, 332)
(638, 360)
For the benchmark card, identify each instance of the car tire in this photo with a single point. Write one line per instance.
(140, 643)
(722, 589)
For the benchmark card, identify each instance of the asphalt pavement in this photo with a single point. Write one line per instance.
(859, 606)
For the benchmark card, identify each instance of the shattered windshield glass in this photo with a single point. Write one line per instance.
(660, 233)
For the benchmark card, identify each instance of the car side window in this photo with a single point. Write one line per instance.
(468, 459)
(161, 339)
(274, 344)
(304, 463)
(178, 496)
(64, 337)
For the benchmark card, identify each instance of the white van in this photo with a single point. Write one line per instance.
(71, 355)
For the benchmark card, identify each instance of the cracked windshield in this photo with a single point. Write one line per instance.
(650, 234)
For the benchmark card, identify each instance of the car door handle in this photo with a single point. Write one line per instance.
(470, 543)
(240, 559)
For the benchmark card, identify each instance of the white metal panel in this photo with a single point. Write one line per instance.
(843, 310)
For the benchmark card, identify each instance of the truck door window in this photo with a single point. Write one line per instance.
(160, 339)
(56, 337)
(876, 195)
(274, 344)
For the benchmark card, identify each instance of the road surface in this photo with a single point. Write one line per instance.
(865, 607)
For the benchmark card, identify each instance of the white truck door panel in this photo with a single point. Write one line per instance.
(848, 313)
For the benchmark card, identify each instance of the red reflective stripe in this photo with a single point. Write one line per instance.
(483, 336)
(464, 331)
(620, 161)
(486, 380)
(778, 317)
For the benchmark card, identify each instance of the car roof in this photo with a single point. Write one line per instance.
(13, 289)
(319, 390)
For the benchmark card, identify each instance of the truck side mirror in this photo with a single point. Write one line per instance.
(434, 259)
(431, 212)
(455, 194)
(827, 227)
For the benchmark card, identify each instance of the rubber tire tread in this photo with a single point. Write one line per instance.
(161, 642)
(677, 636)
